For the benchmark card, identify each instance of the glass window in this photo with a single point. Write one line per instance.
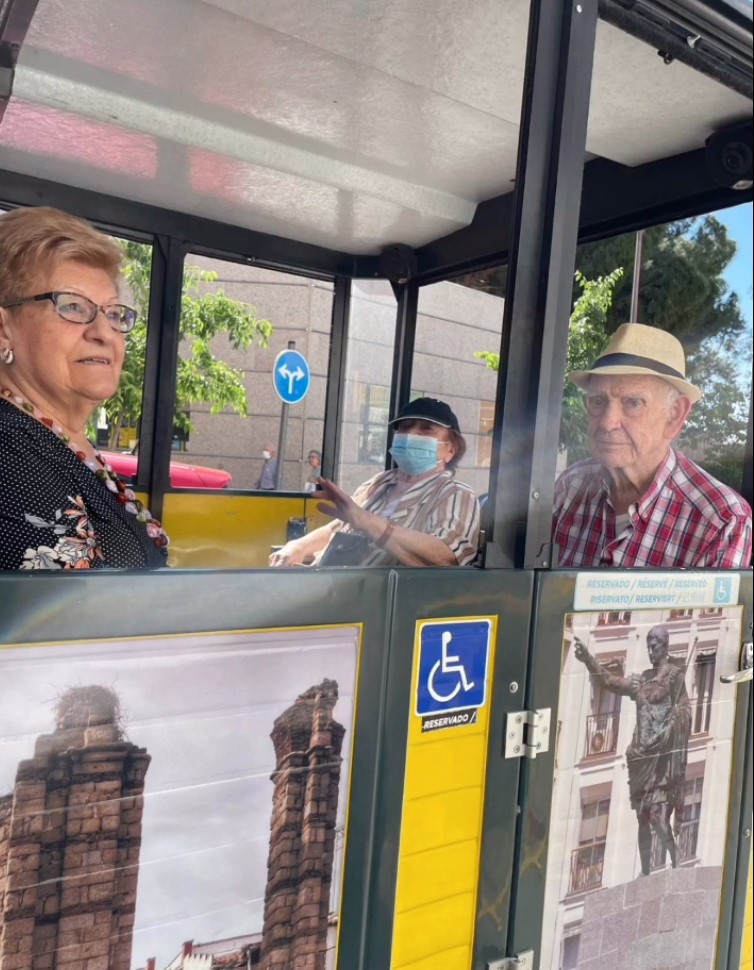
(456, 323)
(701, 698)
(369, 368)
(235, 320)
(694, 279)
(587, 861)
(570, 957)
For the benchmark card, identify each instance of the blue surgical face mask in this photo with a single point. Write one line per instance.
(414, 454)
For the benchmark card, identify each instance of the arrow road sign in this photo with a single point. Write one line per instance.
(291, 377)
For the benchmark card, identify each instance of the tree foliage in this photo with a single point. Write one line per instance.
(682, 290)
(202, 377)
(587, 336)
(682, 287)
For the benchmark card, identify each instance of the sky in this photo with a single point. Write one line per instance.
(738, 222)
(203, 707)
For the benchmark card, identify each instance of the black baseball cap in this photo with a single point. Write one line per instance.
(429, 409)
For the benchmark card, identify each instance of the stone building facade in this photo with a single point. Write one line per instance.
(308, 743)
(70, 838)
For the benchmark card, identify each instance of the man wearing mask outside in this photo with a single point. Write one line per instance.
(266, 480)
(315, 471)
(417, 514)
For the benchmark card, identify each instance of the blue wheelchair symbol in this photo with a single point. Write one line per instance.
(453, 666)
(291, 376)
(723, 589)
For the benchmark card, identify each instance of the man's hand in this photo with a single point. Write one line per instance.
(580, 651)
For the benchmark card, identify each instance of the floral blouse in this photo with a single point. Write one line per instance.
(54, 511)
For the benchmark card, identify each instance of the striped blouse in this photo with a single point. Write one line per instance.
(438, 505)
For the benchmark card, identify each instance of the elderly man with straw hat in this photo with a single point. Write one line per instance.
(638, 502)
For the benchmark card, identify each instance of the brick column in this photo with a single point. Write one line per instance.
(307, 742)
(73, 847)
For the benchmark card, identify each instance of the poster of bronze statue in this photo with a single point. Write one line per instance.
(176, 803)
(641, 789)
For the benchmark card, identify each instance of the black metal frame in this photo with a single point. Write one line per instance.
(615, 199)
(557, 86)
(336, 375)
(403, 350)
(161, 371)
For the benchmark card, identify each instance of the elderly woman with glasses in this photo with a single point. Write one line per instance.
(62, 344)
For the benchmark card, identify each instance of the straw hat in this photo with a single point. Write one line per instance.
(637, 349)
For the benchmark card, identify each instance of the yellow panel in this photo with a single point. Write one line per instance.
(447, 960)
(441, 834)
(443, 819)
(451, 764)
(431, 930)
(747, 954)
(441, 873)
(226, 531)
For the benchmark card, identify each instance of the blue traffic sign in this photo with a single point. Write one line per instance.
(453, 662)
(291, 376)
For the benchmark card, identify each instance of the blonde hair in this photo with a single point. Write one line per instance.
(34, 240)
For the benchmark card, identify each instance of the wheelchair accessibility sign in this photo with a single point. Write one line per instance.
(453, 672)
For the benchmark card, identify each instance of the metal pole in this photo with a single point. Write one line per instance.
(638, 260)
(403, 353)
(540, 281)
(283, 434)
(161, 371)
(336, 380)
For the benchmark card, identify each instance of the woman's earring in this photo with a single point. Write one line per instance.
(7, 356)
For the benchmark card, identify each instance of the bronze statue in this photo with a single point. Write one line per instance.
(658, 752)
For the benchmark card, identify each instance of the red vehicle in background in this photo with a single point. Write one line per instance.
(182, 475)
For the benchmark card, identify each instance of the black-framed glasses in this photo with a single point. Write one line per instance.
(80, 309)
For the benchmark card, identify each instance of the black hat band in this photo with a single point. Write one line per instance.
(633, 360)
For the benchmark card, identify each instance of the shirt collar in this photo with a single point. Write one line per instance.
(663, 473)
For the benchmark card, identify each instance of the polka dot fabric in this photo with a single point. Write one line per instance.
(55, 513)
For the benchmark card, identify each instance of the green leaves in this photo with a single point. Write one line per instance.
(202, 377)
(586, 338)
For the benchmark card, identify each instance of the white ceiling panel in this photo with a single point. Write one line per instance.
(642, 109)
(347, 123)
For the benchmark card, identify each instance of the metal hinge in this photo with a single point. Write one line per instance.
(527, 733)
(524, 961)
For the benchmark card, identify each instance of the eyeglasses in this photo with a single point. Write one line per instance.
(597, 405)
(75, 308)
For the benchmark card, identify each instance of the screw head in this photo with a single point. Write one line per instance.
(579, 8)
(517, 748)
(535, 496)
(513, 687)
(747, 833)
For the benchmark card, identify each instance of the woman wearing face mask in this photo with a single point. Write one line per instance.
(414, 515)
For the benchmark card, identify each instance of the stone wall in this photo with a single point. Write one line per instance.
(308, 743)
(666, 921)
(72, 843)
(6, 806)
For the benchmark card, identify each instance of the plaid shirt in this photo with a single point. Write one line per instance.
(685, 519)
